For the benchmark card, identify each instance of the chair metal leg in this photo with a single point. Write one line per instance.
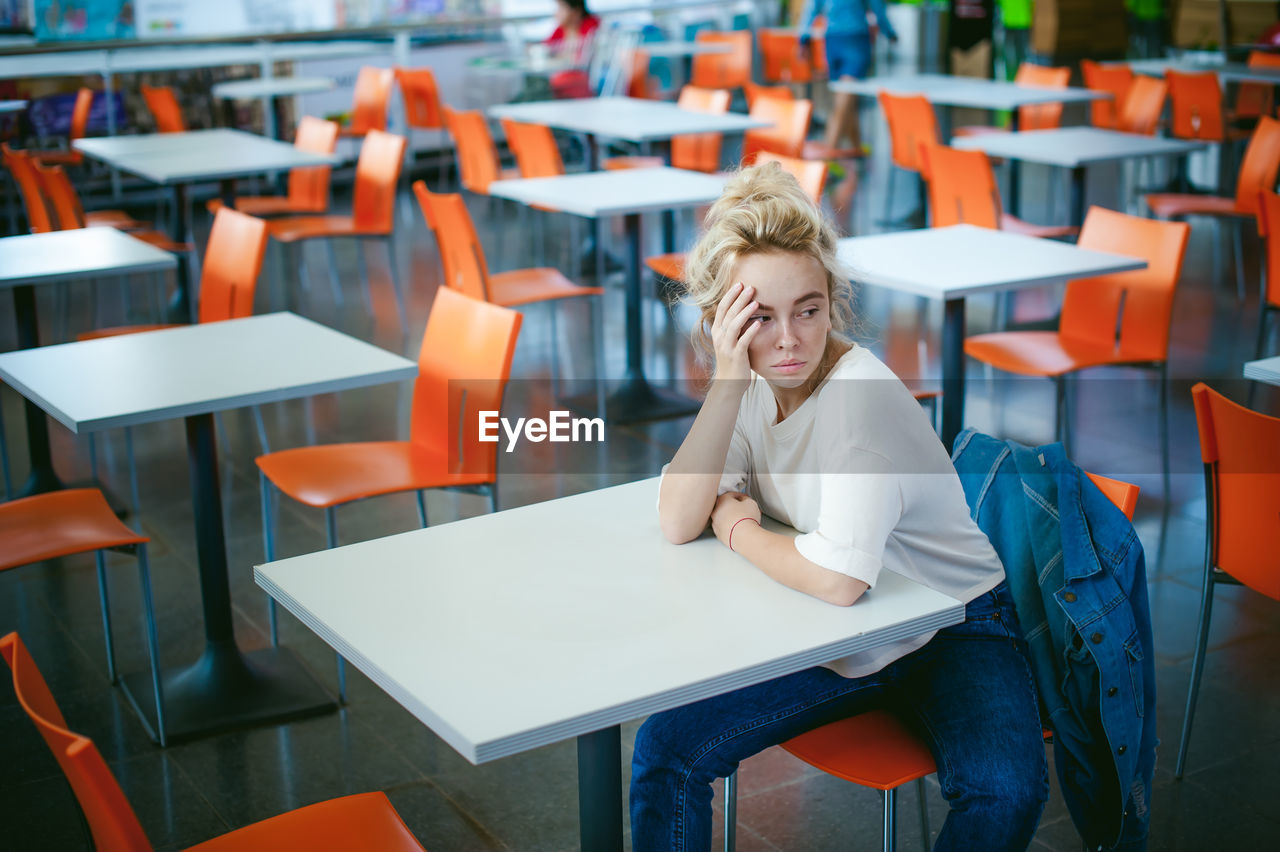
(4, 458)
(597, 343)
(299, 256)
(493, 496)
(1197, 664)
(888, 195)
(923, 804)
(363, 265)
(1163, 378)
(261, 427)
(133, 473)
(555, 350)
(331, 541)
(1060, 412)
(104, 600)
(1237, 238)
(153, 642)
(890, 818)
(269, 550)
(1264, 313)
(730, 811)
(335, 283)
(422, 507)
(393, 270)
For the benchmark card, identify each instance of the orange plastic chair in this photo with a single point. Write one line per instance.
(699, 152)
(963, 190)
(79, 123)
(423, 109)
(1143, 106)
(61, 195)
(755, 90)
(369, 103)
(1240, 449)
(463, 368)
(40, 213)
(639, 81)
(308, 187)
(535, 149)
(466, 270)
(478, 164)
(1117, 319)
(783, 60)
(874, 749)
(79, 520)
(730, 70)
(1258, 173)
(1115, 79)
(363, 821)
(1197, 105)
(1269, 227)
(790, 120)
(372, 214)
(1253, 100)
(912, 124)
(811, 149)
(1032, 116)
(165, 110)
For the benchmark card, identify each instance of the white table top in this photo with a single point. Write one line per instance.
(111, 382)
(683, 48)
(612, 193)
(514, 630)
(951, 262)
(168, 158)
(1236, 72)
(1075, 146)
(965, 91)
(1267, 370)
(12, 106)
(79, 253)
(633, 119)
(270, 87)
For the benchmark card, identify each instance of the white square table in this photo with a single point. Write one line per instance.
(502, 634)
(269, 89)
(1076, 148)
(1265, 370)
(627, 193)
(953, 262)
(1228, 72)
(152, 376)
(180, 159)
(32, 260)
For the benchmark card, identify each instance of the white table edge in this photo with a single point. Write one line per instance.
(1257, 372)
(155, 265)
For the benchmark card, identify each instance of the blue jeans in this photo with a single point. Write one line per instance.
(968, 693)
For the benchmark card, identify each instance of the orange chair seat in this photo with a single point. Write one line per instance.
(298, 228)
(333, 474)
(161, 241)
(119, 330)
(362, 821)
(60, 523)
(54, 157)
(1167, 205)
(264, 205)
(873, 749)
(1042, 353)
(620, 163)
(977, 130)
(816, 150)
(539, 284)
(667, 265)
(1013, 224)
(112, 219)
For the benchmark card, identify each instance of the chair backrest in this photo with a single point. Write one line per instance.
(1260, 165)
(1269, 229)
(1241, 452)
(754, 90)
(461, 254)
(1197, 104)
(369, 102)
(61, 196)
(1115, 79)
(377, 170)
(111, 819)
(463, 368)
(1041, 116)
(421, 98)
(783, 61)
(912, 123)
(962, 187)
(639, 82)
(534, 145)
(309, 186)
(165, 110)
(80, 114)
(790, 120)
(1129, 312)
(39, 218)
(232, 261)
(723, 70)
(700, 152)
(1123, 494)
(811, 174)
(473, 143)
(1254, 99)
(1142, 107)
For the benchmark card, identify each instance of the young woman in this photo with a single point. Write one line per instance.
(572, 37)
(816, 432)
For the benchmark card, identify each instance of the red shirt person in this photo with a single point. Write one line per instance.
(575, 27)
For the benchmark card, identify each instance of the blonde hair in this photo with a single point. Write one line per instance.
(762, 210)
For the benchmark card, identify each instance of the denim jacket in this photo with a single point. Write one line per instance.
(1077, 572)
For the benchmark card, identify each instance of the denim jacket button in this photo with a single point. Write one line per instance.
(1096, 638)
(1069, 597)
(1122, 749)
(1111, 692)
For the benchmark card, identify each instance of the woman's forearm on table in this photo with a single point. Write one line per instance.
(776, 556)
(692, 479)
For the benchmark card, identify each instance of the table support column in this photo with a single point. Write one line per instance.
(1015, 175)
(952, 370)
(600, 790)
(43, 478)
(1077, 196)
(180, 306)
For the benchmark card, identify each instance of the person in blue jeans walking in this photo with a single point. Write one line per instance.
(812, 429)
(847, 37)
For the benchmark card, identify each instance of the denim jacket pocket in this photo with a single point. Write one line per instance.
(1134, 656)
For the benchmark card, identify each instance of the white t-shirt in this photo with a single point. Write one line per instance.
(859, 471)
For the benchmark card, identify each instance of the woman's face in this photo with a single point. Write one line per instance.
(794, 315)
(563, 14)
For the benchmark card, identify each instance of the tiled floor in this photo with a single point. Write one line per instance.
(193, 791)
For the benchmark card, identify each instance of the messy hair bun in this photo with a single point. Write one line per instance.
(762, 210)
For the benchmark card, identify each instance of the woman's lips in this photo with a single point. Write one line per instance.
(789, 366)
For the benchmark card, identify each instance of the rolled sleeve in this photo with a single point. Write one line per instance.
(858, 512)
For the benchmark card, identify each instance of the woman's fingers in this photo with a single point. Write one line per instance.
(732, 303)
(744, 339)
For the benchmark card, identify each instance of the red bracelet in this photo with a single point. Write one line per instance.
(735, 526)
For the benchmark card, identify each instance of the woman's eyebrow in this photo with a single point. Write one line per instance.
(806, 297)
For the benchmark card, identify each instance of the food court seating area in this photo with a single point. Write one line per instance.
(321, 263)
